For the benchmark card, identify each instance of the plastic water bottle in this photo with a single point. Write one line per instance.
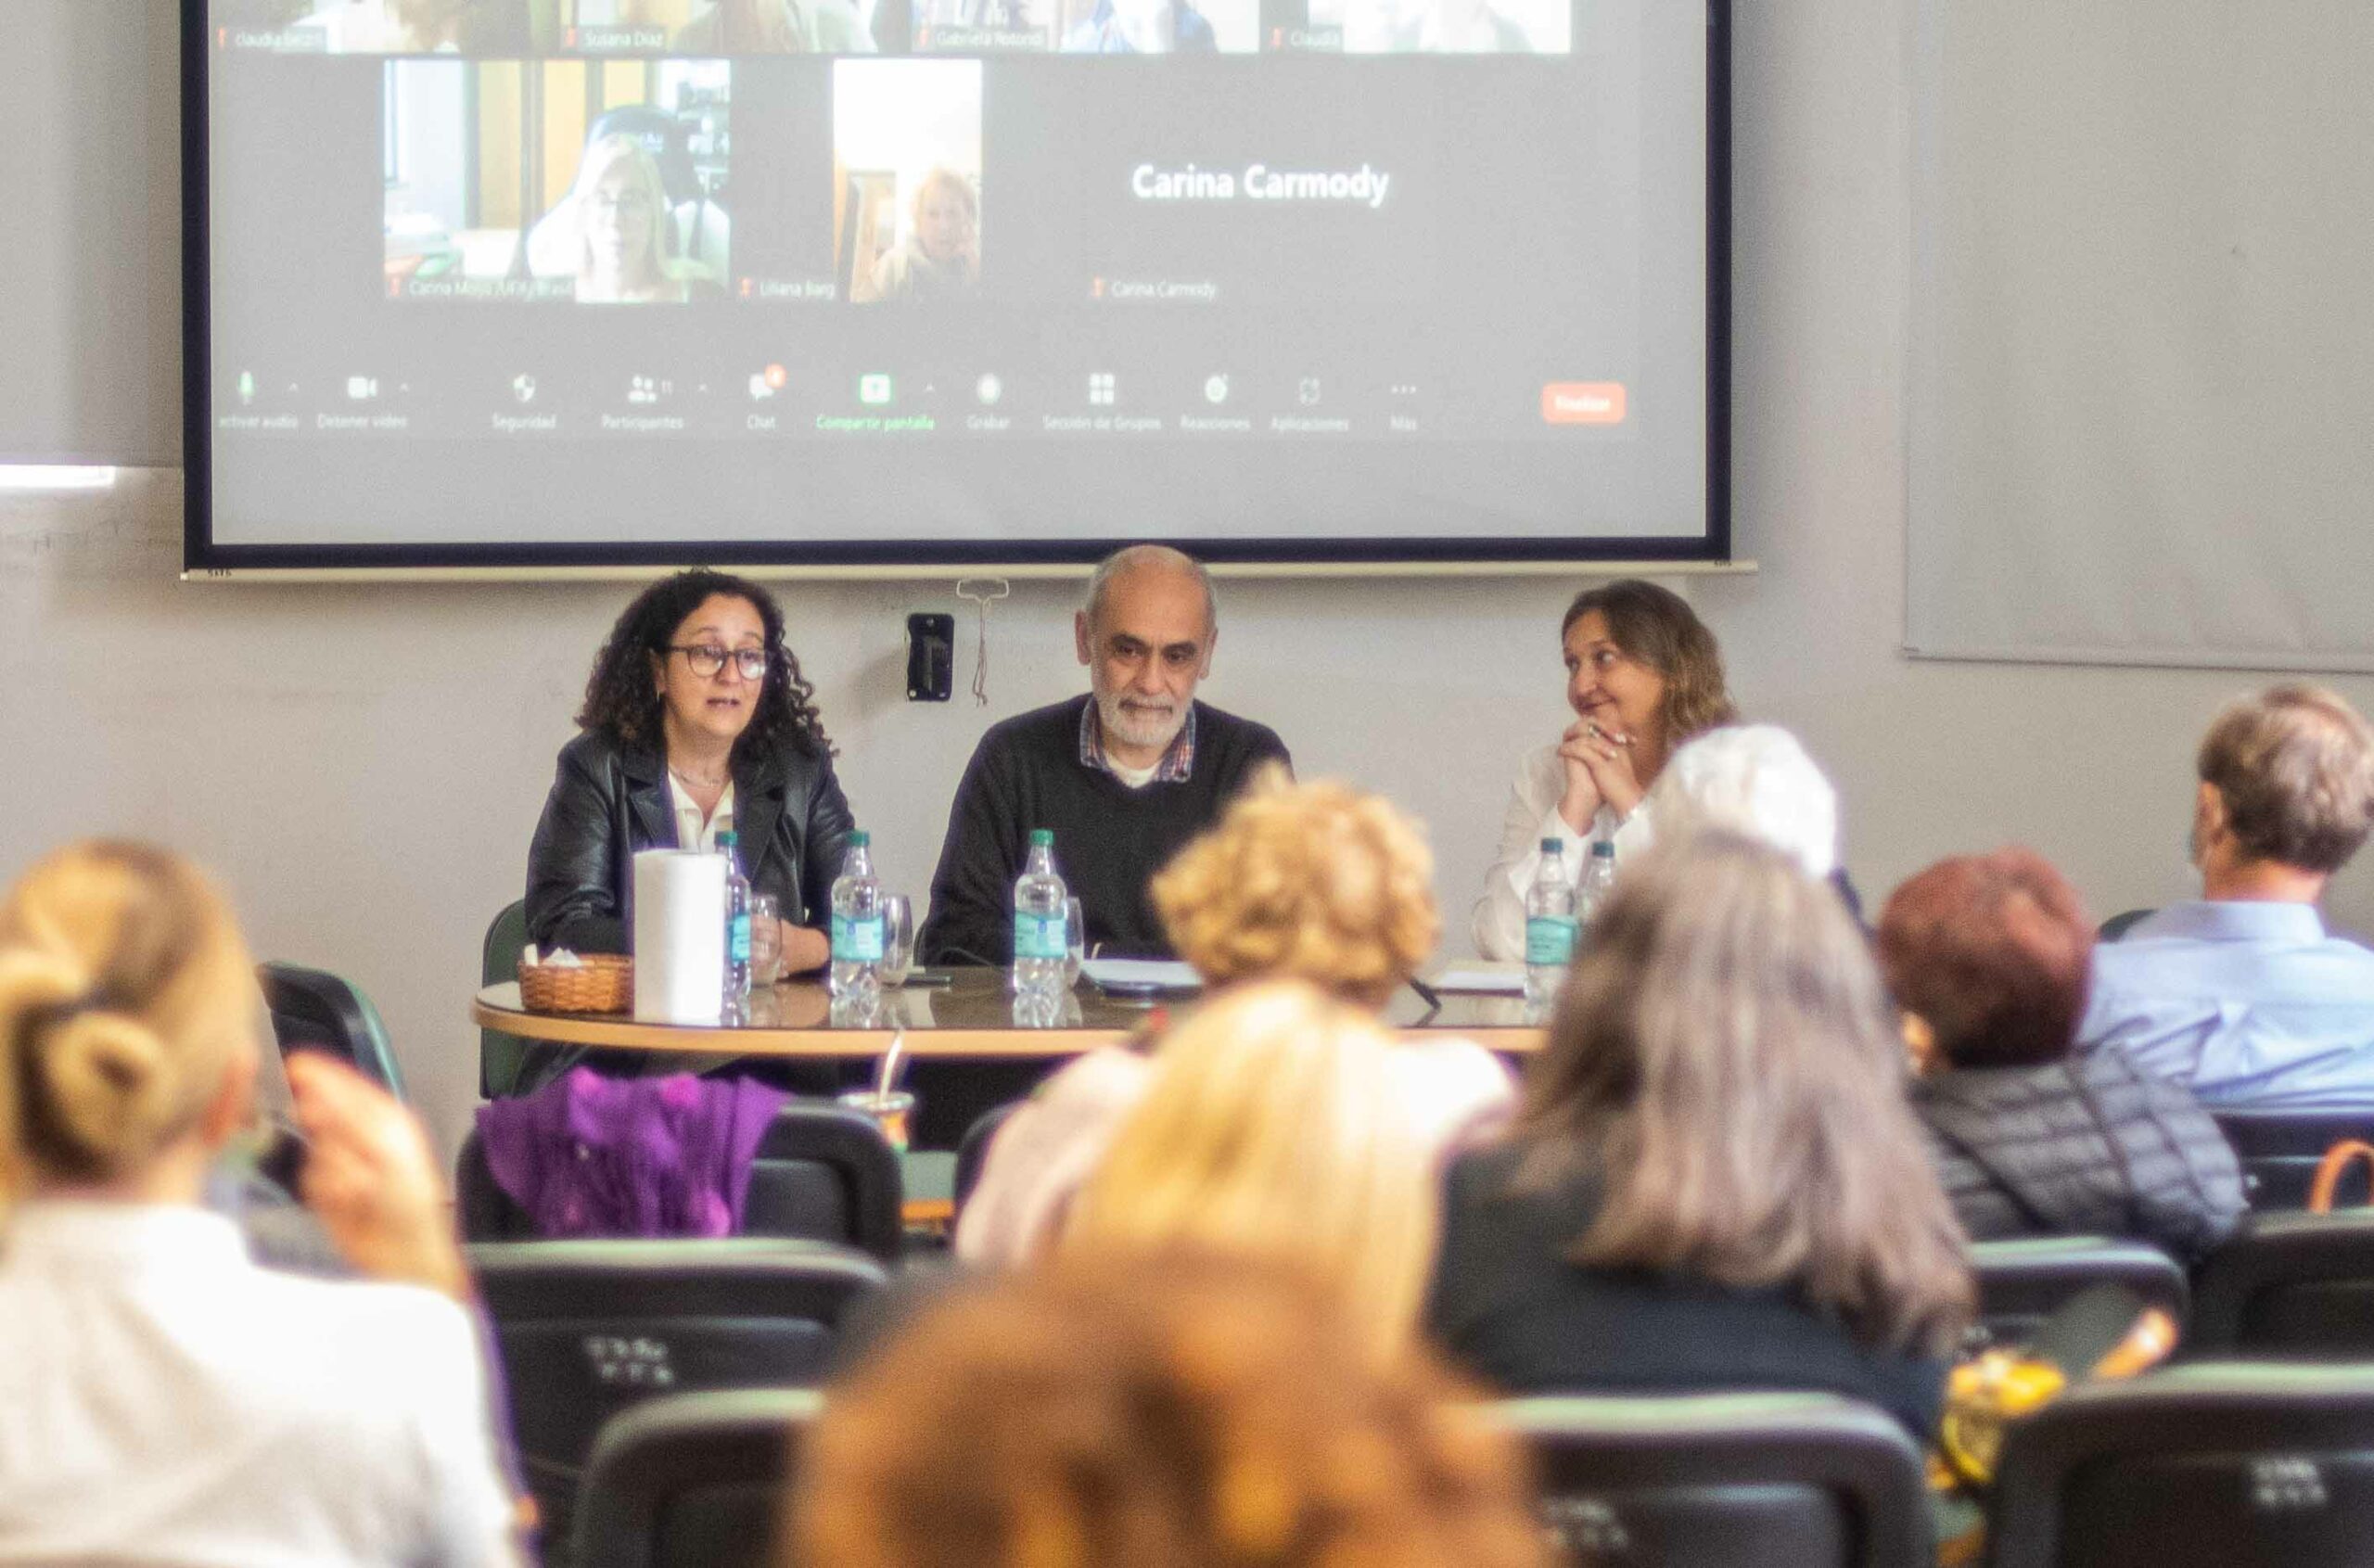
(857, 924)
(1041, 943)
(1549, 927)
(1599, 881)
(737, 929)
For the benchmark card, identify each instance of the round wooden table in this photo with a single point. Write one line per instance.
(973, 1017)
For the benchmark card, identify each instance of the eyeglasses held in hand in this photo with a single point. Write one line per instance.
(707, 659)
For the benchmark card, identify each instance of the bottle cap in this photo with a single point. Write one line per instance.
(1603, 849)
(727, 838)
(860, 840)
(1039, 836)
(1553, 845)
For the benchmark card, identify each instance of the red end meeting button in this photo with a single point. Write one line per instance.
(1582, 403)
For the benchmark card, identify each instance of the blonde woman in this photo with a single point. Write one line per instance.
(622, 220)
(1313, 882)
(940, 257)
(164, 1400)
(1184, 1408)
(1273, 1128)
(1714, 1182)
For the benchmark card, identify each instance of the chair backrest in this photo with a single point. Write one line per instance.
(2294, 1286)
(2121, 923)
(693, 1481)
(2023, 1282)
(2279, 1151)
(500, 1055)
(314, 1010)
(482, 1210)
(588, 1329)
(973, 1150)
(2239, 1464)
(1726, 1481)
(825, 1171)
(822, 1173)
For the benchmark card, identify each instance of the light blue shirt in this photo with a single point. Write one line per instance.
(2248, 1004)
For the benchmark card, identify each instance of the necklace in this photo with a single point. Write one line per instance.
(694, 780)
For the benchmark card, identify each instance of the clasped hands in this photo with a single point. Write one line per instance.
(1597, 761)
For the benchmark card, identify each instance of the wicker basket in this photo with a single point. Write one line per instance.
(605, 983)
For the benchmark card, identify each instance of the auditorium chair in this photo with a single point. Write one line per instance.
(314, 1010)
(692, 1481)
(500, 1055)
(973, 1154)
(823, 1172)
(2237, 1464)
(2294, 1286)
(586, 1330)
(1725, 1481)
(2119, 924)
(2279, 1151)
(2022, 1283)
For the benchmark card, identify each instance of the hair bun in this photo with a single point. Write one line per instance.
(34, 981)
(99, 1078)
(107, 1084)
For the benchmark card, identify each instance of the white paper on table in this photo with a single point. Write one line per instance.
(1141, 975)
(679, 937)
(1482, 980)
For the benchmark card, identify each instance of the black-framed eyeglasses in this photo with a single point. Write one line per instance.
(707, 659)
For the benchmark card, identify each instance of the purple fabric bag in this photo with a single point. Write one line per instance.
(589, 1155)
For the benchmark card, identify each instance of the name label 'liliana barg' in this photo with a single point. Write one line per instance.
(1261, 183)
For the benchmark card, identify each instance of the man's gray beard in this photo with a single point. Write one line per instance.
(1119, 726)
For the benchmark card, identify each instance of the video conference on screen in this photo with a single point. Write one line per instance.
(1447, 224)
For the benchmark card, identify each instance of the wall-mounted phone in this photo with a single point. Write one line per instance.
(931, 657)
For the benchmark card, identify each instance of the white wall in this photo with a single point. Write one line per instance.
(363, 764)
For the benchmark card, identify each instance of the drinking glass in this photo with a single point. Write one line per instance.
(898, 939)
(892, 1112)
(1075, 940)
(766, 940)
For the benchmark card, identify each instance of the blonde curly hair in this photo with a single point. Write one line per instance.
(1314, 882)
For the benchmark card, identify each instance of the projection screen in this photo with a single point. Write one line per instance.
(874, 283)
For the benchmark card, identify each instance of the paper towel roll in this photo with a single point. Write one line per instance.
(679, 937)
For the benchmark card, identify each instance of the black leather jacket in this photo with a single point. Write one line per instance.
(610, 799)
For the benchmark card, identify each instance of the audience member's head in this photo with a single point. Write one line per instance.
(1178, 1412)
(1750, 779)
(1146, 633)
(1654, 631)
(1722, 1062)
(127, 1009)
(655, 670)
(1988, 955)
(1274, 1127)
(2287, 777)
(1313, 882)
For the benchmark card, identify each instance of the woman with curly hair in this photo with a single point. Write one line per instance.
(1311, 882)
(696, 720)
(1644, 675)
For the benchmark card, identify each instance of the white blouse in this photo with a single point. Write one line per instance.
(1497, 922)
(165, 1401)
(697, 832)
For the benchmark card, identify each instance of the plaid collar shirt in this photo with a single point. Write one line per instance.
(1177, 765)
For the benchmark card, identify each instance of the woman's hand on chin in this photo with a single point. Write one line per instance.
(1606, 754)
(1580, 803)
